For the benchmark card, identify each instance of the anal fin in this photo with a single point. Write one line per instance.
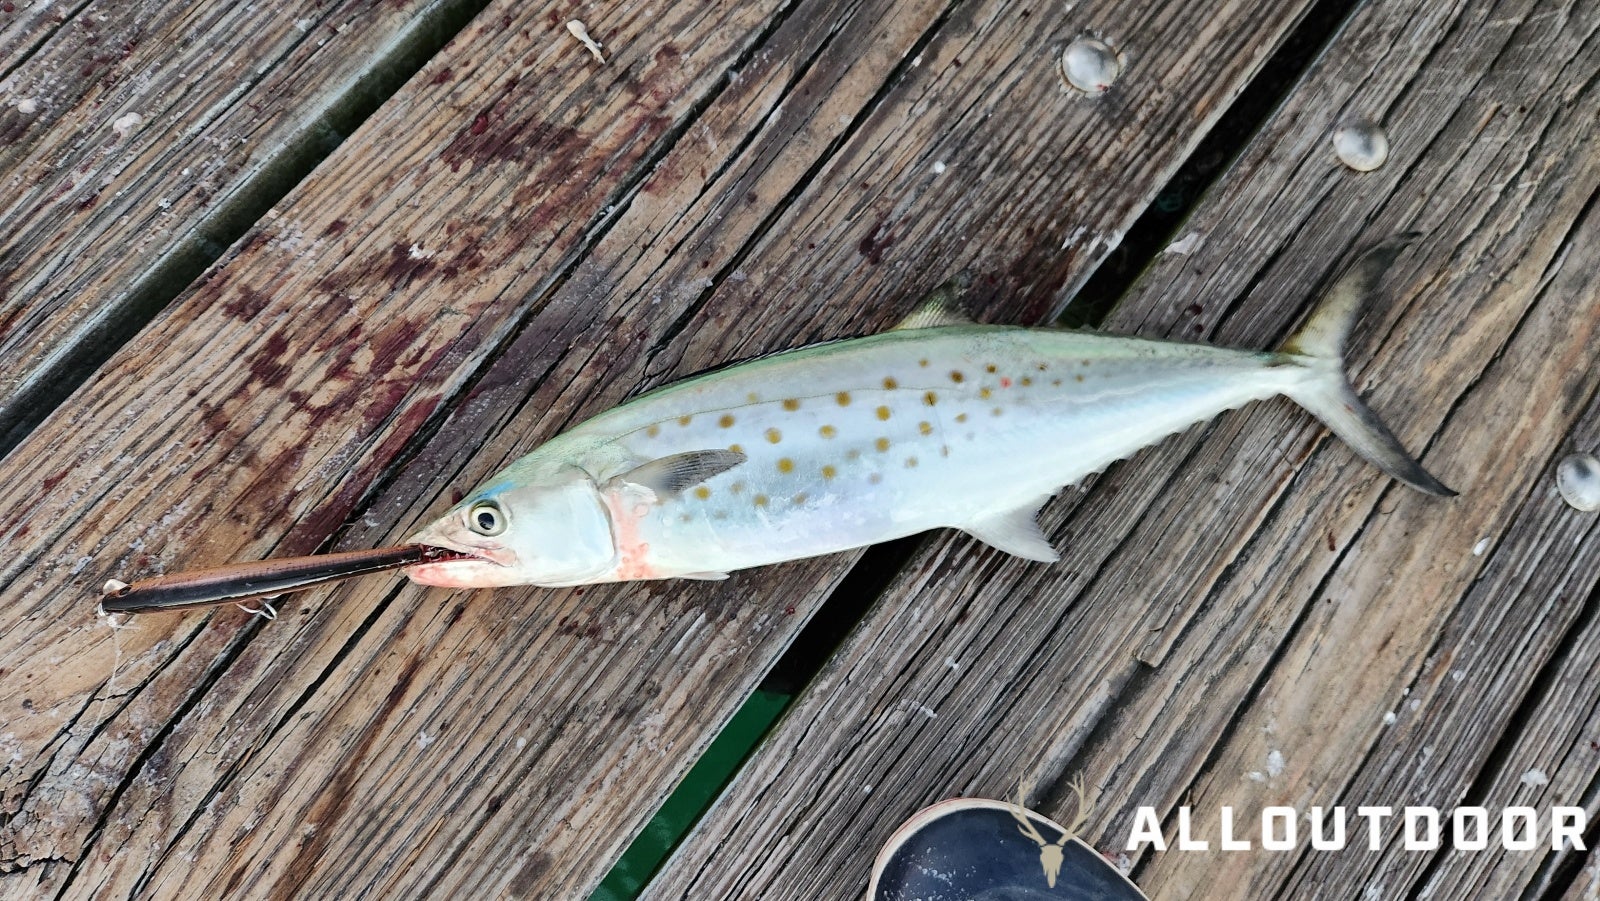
(1017, 533)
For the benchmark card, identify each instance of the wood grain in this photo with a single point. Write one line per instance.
(587, 230)
(1250, 587)
(135, 136)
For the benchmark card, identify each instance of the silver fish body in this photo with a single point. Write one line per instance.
(853, 442)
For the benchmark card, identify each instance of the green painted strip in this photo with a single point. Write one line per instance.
(693, 797)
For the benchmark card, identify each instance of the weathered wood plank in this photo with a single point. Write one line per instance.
(408, 742)
(133, 136)
(1247, 587)
(230, 429)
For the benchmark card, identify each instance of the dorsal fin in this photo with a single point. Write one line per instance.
(942, 307)
(670, 475)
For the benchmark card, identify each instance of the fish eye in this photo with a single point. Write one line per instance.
(486, 518)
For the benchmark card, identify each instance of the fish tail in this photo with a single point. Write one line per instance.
(1319, 346)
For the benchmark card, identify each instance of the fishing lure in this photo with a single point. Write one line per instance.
(938, 422)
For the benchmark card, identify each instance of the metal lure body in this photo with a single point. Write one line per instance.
(839, 445)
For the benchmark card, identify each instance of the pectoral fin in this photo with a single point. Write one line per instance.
(671, 475)
(1016, 532)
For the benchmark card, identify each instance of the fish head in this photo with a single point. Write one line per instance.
(547, 527)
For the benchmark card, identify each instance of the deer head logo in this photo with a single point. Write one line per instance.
(1051, 854)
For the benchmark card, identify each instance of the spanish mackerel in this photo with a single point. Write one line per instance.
(937, 423)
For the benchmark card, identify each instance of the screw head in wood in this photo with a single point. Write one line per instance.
(1578, 480)
(1090, 65)
(1362, 145)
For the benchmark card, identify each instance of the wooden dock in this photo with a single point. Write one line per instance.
(288, 277)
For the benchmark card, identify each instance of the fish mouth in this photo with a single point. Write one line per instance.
(449, 564)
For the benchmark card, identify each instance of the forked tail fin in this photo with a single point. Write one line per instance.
(1320, 345)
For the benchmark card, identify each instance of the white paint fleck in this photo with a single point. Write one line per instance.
(1535, 777)
(1185, 244)
(27, 106)
(127, 124)
(1256, 776)
(1457, 675)
(1274, 763)
(1389, 719)
(424, 739)
(952, 662)
(939, 167)
(582, 34)
(304, 24)
(1480, 547)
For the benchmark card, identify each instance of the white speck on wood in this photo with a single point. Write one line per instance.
(1535, 777)
(126, 125)
(582, 34)
(1184, 244)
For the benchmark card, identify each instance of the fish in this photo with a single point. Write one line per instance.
(937, 423)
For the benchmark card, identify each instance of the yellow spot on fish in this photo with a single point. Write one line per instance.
(760, 500)
(1026, 381)
(785, 465)
(997, 411)
(911, 463)
(827, 431)
(1078, 377)
(736, 488)
(1056, 382)
(726, 421)
(961, 417)
(923, 363)
(798, 499)
(984, 393)
(774, 436)
(653, 431)
(791, 404)
(930, 398)
(925, 427)
(852, 454)
(956, 376)
(703, 493)
(875, 478)
(989, 368)
(890, 383)
(684, 420)
(843, 397)
(752, 397)
(1043, 366)
(829, 472)
(882, 444)
(736, 448)
(883, 413)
